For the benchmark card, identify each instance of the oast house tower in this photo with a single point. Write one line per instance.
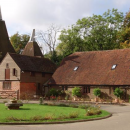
(5, 45)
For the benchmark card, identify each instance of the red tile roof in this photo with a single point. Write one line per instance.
(94, 68)
(31, 63)
(32, 49)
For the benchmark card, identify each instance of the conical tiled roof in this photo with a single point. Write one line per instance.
(5, 44)
(32, 48)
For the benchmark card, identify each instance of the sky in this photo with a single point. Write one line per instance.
(25, 15)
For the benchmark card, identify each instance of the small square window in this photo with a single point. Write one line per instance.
(113, 67)
(76, 68)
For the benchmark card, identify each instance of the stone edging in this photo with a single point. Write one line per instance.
(58, 122)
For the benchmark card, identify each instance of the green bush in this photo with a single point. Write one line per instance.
(118, 92)
(74, 106)
(74, 115)
(76, 91)
(54, 92)
(40, 100)
(82, 106)
(93, 111)
(97, 92)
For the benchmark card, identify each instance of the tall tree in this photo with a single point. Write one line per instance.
(124, 34)
(19, 41)
(98, 32)
(49, 37)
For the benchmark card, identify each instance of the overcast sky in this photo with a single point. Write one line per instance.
(24, 15)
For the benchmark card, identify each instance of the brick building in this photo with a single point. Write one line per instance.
(88, 70)
(22, 76)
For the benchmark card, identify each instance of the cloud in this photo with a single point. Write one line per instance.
(28, 14)
(24, 15)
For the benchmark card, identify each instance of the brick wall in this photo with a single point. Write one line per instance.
(27, 90)
(10, 93)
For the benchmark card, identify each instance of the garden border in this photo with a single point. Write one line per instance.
(57, 122)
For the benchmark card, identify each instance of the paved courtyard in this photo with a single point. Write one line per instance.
(119, 121)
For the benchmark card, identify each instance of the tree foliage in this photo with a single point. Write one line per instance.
(98, 32)
(124, 34)
(19, 41)
(76, 91)
(118, 92)
(97, 92)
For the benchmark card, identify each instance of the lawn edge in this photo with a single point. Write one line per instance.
(57, 122)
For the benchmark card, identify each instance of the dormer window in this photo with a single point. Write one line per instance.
(76, 68)
(113, 67)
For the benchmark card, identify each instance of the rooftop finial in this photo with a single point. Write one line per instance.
(0, 14)
(32, 38)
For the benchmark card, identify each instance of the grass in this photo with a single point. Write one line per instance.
(44, 113)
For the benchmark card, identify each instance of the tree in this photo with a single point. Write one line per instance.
(124, 33)
(118, 92)
(97, 92)
(55, 58)
(76, 91)
(98, 32)
(19, 41)
(49, 37)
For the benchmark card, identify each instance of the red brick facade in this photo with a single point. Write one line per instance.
(27, 90)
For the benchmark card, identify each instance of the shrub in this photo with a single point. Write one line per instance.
(36, 118)
(76, 91)
(82, 106)
(52, 97)
(40, 100)
(74, 106)
(97, 92)
(45, 103)
(118, 92)
(48, 117)
(93, 111)
(62, 117)
(54, 92)
(63, 105)
(74, 115)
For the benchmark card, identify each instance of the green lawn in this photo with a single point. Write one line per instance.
(30, 110)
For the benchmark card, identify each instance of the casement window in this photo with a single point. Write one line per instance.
(32, 73)
(6, 85)
(86, 89)
(14, 72)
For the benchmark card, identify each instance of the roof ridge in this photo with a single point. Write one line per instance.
(102, 50)
(25, 55)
